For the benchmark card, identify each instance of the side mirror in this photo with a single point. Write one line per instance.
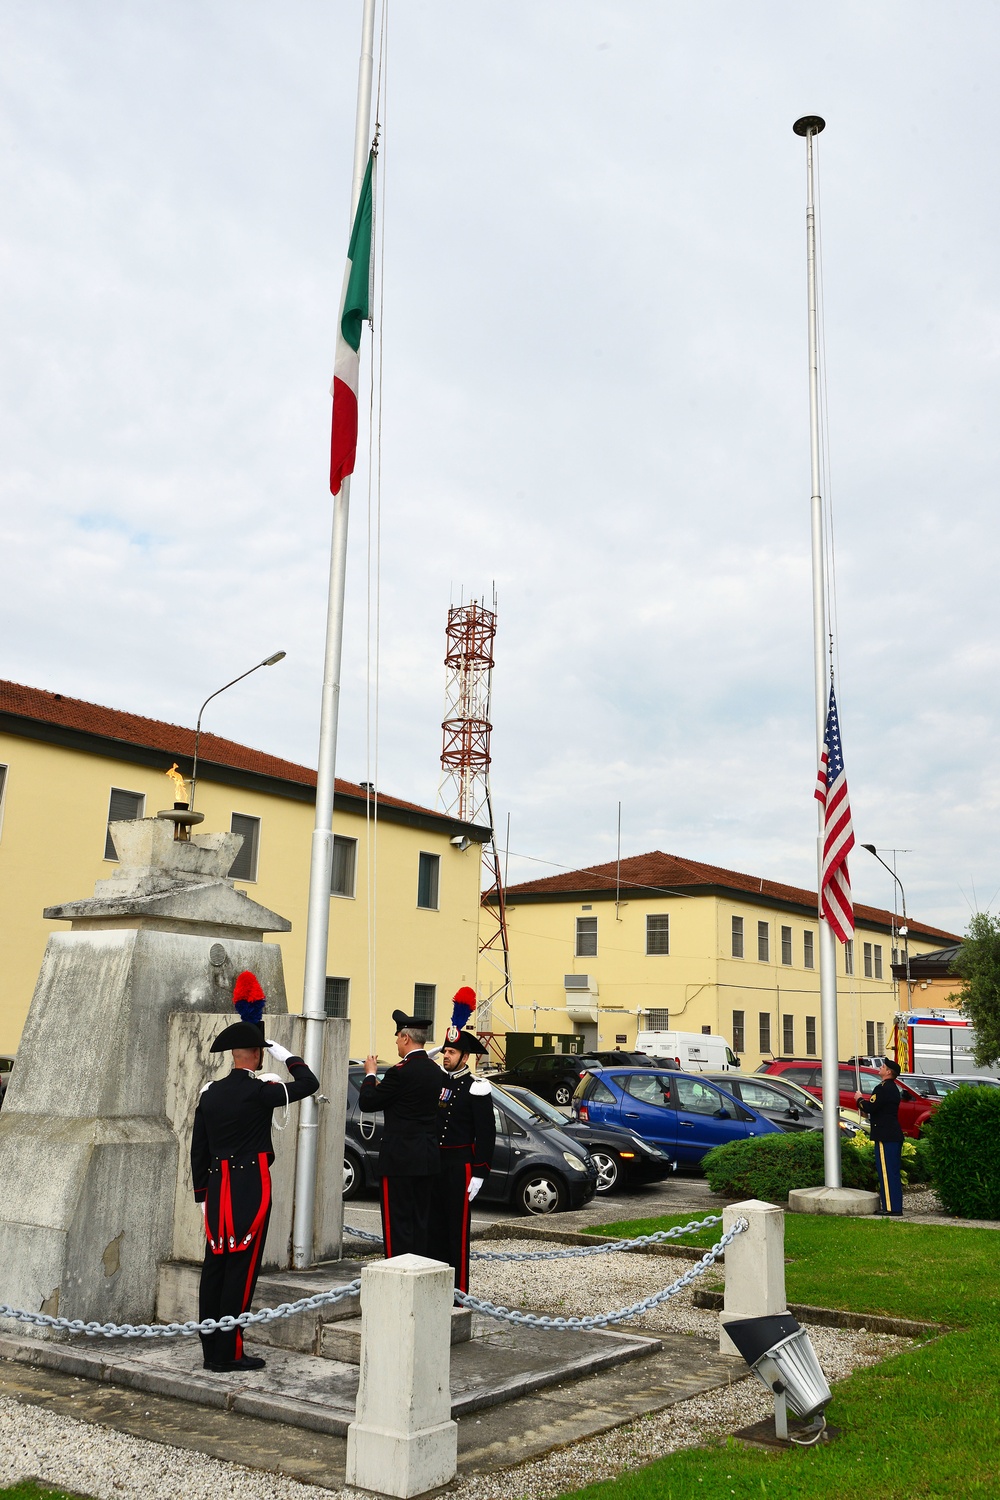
(723, 1114)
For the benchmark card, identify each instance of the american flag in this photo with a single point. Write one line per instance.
(838, 833)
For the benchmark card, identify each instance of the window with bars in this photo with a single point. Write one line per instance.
(657, 933)
(586, 937)
(122, 806)
(810, 1036)
(849, 956)
(428, 881)
(868, 960)
(424, 996)
(877, 951)
(344, 874)
(336, 1001)
(244, 866)
(763, 942)
(880, 1038)
(737, 937)
(658, 1020)
(870, 1037)
(739, 1031)
(786, 945)
(764, 1030)
(788, 1035)
(809, 950)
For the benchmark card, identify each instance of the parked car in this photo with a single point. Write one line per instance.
(688, 1051)
(554, 1075)
(928, 1086)
(682, 1113)
(960, 1078)
(784, 1103)
(537, 1167)
(914, 1109)
(621, 1157)
(6, 1064)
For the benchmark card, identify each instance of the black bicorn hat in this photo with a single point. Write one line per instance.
(464, 1041)
(405, 1022)
(239, 1034)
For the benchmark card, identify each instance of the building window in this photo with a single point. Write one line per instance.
(788, 1035)
(343, 876)
(849, 956)
(765, 1031)
(868, 960)
(586, 937)
(737, 937)
(3, 783)
(880, 1038)
(423, 1003)
(763, 943)
(658, 1020)
(244, 866)
(809, 950)
(739, 1031)
(336, 1001)
(122, 807)
(786, 945)
(657, 934)
(428, 881)
(810, 1036)
(878, 960)
(706, 1031)
(870, 1038)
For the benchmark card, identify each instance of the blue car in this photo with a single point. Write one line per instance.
(683, 1113)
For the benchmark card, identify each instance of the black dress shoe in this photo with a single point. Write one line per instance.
(233, 1366)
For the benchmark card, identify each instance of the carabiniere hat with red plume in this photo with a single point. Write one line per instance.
(249, 1000)
(463, 1004)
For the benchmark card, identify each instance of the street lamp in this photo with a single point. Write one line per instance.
(904, 930)
(269, 661)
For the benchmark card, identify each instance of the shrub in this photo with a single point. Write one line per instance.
(963, 1142)
(770, 1166)
(913, 1166)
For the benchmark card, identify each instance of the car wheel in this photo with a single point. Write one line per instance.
(609, 1170)
(354, 1176)
(563, 1093)
(540, 1193)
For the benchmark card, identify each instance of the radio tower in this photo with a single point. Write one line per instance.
(465, 776)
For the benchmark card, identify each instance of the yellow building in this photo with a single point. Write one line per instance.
(406, 880)
(662, 943)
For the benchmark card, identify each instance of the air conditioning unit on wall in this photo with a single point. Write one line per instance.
(581, 997)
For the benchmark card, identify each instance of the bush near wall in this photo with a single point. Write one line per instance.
(963, 1140)
(770, 1166)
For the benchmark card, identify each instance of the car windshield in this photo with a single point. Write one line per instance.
(539, 1109)
(520, 1111)
(930, 1088)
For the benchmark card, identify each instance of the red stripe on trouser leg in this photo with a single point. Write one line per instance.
(255, 1251)
(226, 1230)
(462, 1274)
(386, 1232)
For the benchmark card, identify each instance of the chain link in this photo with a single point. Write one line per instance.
(603, 1247)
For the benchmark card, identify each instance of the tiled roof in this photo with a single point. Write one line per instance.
(667, 872)
(173, 739)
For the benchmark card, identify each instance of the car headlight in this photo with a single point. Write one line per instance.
(574, 1162)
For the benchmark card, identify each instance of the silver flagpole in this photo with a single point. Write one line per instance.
(810, 126)
(321, 860)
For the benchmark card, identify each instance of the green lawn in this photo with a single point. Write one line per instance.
(29, 1490)
(926, 1422)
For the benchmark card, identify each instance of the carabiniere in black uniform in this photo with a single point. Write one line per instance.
(231, 1157)
(882, 1109)
(467, 1141)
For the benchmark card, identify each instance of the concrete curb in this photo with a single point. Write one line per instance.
(501, 1231)
(835, 1317)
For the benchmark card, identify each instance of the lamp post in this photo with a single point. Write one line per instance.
(904, 931)
(269, 661)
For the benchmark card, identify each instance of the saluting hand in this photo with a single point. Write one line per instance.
(371, 1065)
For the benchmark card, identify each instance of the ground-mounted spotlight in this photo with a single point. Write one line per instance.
(782, 1357)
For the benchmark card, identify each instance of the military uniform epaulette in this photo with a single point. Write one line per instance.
(480, 1086)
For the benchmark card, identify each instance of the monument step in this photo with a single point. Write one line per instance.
(177, 1301)
(342, 1340)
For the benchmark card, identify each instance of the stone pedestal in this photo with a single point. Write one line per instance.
(403, 1441)
(755, 1266)
(88, 1158)
(854, 1202)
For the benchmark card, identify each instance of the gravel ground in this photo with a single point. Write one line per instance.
(109, 1465)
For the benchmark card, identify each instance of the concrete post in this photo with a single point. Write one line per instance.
(403, 1441)
(755, 1266)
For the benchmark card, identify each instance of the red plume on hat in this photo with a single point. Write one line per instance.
(463, 1004)
(248, 997)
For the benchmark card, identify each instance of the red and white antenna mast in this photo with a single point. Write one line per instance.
(465, 777)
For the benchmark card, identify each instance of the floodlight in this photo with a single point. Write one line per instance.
(780, 1354)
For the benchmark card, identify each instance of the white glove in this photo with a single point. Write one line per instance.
(278, 1051)
(203, 1205)
(475, 1183)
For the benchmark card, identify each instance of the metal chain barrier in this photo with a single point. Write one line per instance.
(601, 1320)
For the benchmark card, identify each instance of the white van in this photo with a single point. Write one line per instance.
(688, 1051)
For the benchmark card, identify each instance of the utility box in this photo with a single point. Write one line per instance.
(520, 1045)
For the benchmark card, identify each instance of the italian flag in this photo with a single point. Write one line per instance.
(354, 310)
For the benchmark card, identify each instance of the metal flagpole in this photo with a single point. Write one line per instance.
(321, 860)
(810, 126)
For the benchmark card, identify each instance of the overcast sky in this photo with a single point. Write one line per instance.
(594, 394)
